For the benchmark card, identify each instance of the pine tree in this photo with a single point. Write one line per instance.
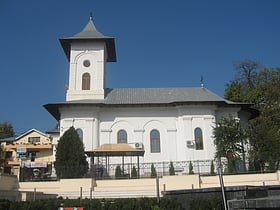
(133, 173)
(212, 168)
(70, 156)
(153, 171)
(118, 172)
(191, 168)
(171, 169)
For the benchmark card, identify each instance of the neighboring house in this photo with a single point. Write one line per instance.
(169, 124)
(29, 156)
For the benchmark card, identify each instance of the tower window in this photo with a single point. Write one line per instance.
(86, 81)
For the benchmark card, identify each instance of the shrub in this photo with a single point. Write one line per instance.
(212, 168)
(153, 171)
(191, 168)
(118, 172)
(171, 169)
(134, 174)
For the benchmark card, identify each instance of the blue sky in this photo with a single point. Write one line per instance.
(159, 43)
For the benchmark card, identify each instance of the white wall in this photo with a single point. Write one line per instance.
(176, 126)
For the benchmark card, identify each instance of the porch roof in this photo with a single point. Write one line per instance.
(115, 150)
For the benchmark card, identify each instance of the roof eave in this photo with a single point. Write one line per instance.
(110, 45)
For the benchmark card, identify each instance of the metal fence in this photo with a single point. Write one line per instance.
(201, 167)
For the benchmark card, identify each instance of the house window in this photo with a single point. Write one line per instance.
(198, 138)
(86, 81)
(122, 137)
(80, 134)
(155, 141)
(33, 140)
(8, 154)
(33, 155)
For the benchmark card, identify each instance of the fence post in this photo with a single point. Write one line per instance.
(34, 194)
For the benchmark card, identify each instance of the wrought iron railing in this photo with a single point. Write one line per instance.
(201, 167)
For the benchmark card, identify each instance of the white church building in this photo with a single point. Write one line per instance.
(163, 124)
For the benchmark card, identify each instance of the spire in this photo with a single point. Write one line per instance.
(90, 33)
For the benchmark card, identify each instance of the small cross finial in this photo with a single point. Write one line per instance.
(90, 16)
(201, 81)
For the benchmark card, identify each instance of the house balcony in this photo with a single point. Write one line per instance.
(37, 145)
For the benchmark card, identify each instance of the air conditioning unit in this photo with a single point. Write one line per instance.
(190, 144)
(138, 145)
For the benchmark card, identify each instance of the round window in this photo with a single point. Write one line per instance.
(86, 63)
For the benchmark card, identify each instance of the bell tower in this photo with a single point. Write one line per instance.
(88, 52)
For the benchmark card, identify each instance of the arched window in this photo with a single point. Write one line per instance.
(155, 141)
(80, 134)
(86, 81)
(122, 137)
(198, 138)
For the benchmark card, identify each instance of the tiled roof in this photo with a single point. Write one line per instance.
(156, 96)
(150, 97)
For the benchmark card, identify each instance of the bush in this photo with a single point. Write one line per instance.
(97, 204)
(153, 171)
(191, 168)
(134, 173)
(212, 168)
(118, 172)
(171, 169)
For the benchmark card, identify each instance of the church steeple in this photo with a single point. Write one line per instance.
(88, 52)
(90, 33)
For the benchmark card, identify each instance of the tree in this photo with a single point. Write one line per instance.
(134, 173)
(2, 159)
(118, 172)
(6, 130)
(153, 171)
(260, 86)
(229, 139)
(171, 169)
(212, 168)
(191, 168)
(70, 157)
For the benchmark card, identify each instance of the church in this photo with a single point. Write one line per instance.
(135, 125)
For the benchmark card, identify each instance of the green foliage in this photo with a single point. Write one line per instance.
(229, 139)
(260, 86)
(202, 203)
(118, 172)
(191, 168)
(212, 168)
(153, 171)
(134, 174)
(97, 204)
(171, 169)
(70, 157)
(6, 130)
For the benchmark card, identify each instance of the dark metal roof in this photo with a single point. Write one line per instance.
(90, 33)
(120, 97)
(155, 96)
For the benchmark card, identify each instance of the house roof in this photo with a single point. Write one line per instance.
(11, 139)
(30, 131)
(90, 33)
(149, 97)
